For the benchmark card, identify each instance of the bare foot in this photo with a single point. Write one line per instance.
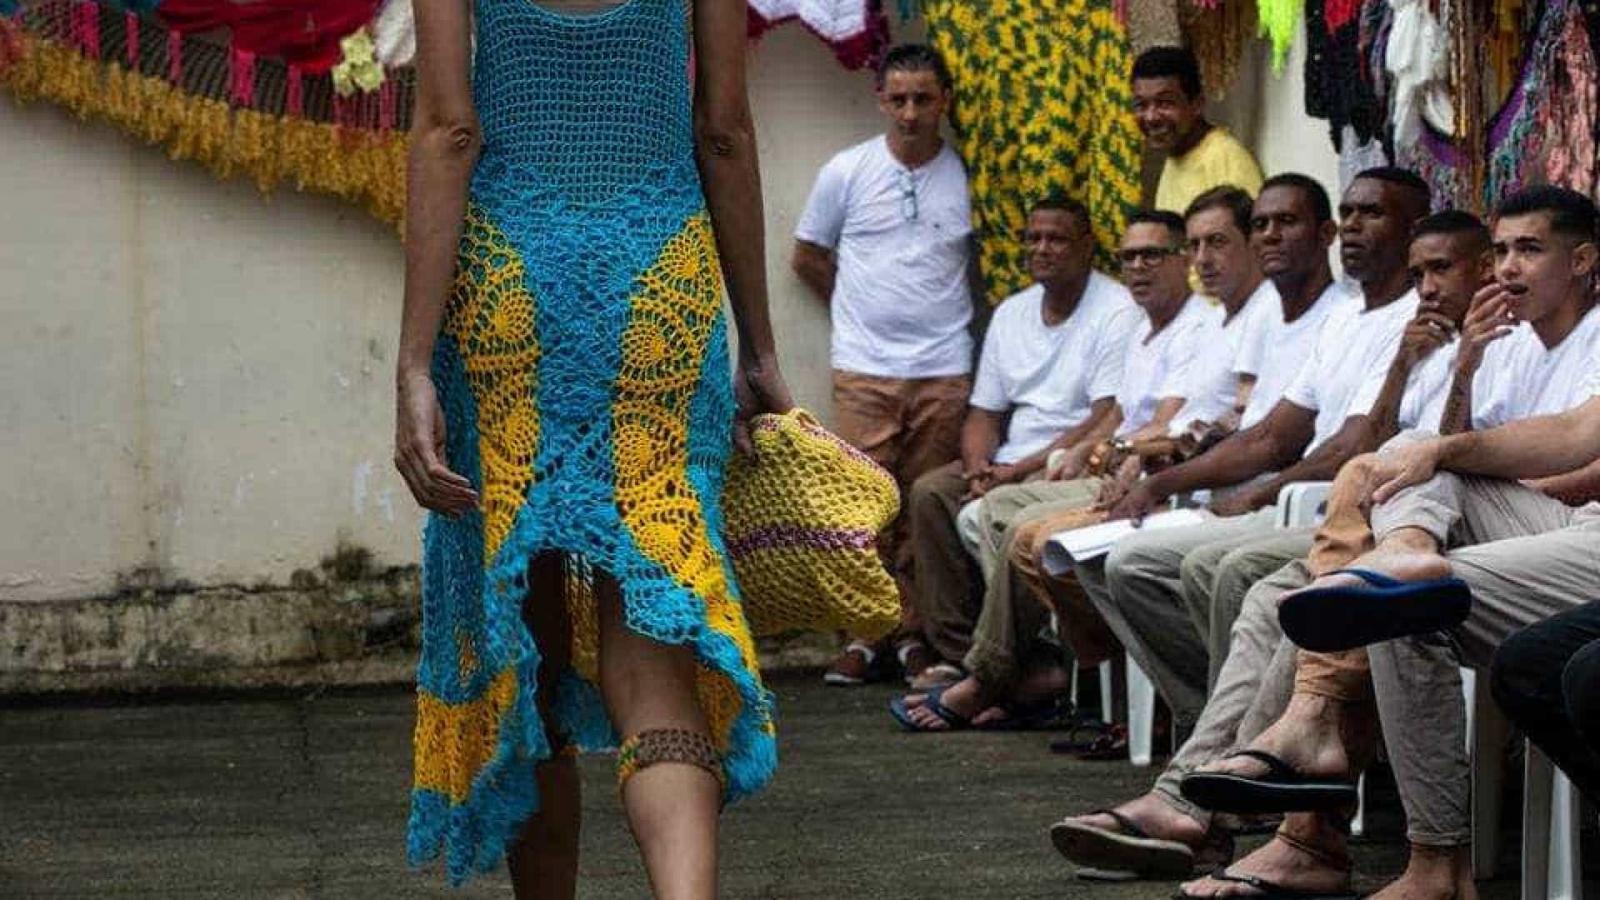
(1280, 863)
(1434, 873)
(1037, 687)
(1154, 817)
(1405, 559)
(1316, 736)
(964, 698)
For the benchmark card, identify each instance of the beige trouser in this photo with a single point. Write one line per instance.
(910, 426)
(1217, 576)
(1005, 638)
(1138, 589)
(982, 523)
(989, 624)
(1251, 689)
(1526, 557)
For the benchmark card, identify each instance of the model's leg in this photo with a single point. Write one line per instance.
(543, 860)
(670, 772)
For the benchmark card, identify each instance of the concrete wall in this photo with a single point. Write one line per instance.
(199, 381)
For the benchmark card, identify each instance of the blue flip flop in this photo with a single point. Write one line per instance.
(932, 696)
(1348, 616)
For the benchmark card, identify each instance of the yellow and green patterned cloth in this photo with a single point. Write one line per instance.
(1042, 104)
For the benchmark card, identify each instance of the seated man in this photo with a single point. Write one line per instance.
(1175, 836)
(1215, 387)
(1547, 679)
(1521, 550)
(1007, 671)
(1138, 588)
(1048, 377)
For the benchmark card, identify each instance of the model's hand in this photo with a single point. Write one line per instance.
(1395, 470)
(419, 449)
(758, 387)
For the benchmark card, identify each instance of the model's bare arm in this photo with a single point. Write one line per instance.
(725, 143)
(444, 148)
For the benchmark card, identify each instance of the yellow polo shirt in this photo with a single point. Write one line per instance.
(1218, 159)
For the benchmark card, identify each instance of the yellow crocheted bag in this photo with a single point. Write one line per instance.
(803, 515)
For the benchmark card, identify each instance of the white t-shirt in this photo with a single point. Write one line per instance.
(1274, 350)
(1211, 382)
(1156, 365)
(1048, 377)
(900, 302)
(1520, 377)
(1426, 392)
(1354, 344)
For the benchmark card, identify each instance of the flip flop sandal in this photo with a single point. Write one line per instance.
(1129, 850)
(1347, 616)
(1082, 733)
(1109, 747)
(1281, 790)
(1036, 716)
(931, 702)
(1270, 890)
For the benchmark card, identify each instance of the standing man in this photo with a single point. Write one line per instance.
(1171, 110)
(885, 242)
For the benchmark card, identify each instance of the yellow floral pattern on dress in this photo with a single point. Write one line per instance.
(491, 315)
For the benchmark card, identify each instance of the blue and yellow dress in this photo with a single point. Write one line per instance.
(583, 368)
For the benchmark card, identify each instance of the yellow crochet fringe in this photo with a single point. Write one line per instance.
(363, 167)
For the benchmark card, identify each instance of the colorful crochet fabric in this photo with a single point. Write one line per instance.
(804, 510)
(1042, 104)
(583, 368)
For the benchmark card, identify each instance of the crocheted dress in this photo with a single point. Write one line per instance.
(583, 368)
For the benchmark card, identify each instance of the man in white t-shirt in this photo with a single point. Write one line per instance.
(1048, 378)
(1006, 667)
(1447, 264)
(1162, 614)
(1523, 536)
(885, 241)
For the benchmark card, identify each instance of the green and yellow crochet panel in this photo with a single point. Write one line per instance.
(1042, 104)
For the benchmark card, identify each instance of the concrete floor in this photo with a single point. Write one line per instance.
(305, 796)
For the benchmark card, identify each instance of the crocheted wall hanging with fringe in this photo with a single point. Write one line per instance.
(857, 30)
(278, 91)
(1042, 104)
(315, 94)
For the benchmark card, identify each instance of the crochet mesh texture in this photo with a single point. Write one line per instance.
(583, 368)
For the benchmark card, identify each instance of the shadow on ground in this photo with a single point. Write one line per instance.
(305, 796)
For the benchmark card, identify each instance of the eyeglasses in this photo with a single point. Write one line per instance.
(1146, 256)
(908, 196)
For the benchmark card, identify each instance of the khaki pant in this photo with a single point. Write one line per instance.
(1251, 688)
(1005, 638)
(1080, 627)
(910, 426)
(1138, 589)
(1526, 557)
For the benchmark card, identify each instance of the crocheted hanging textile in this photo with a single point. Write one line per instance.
(1218, 34)
(221, 99)
(857, 30)
(1339, 83)
(1042, 103)
(1280, 21)
(583, 368)
(1542, 132)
